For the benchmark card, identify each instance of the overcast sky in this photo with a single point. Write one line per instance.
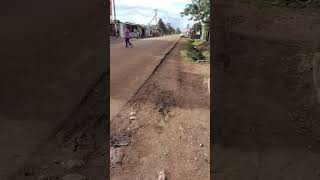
(141, 11)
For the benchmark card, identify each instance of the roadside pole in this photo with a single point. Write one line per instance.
(115, 18)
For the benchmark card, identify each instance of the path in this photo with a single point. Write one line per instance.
(172, 121)
(130, 67)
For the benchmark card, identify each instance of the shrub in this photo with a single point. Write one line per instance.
(193, 52)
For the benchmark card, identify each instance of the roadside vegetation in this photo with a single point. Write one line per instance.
(197, 49)
(193, 50)
(167, 29)
(199, 11)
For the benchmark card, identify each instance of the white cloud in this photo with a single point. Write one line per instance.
(141, 11)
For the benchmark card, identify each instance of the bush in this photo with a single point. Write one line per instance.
(193, 52)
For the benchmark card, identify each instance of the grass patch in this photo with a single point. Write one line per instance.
(197, 42)
(186, 58)
(191, 51)
(206, 54)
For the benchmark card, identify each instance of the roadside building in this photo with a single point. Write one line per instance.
(197, 31)
(188, 32)
(138, 30)
(132, 27)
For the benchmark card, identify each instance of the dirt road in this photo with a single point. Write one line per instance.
(171, 130)
(130, 67)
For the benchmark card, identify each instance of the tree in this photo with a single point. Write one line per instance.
(162, 26)
(178, 31)
(199, 10)
(170, 29)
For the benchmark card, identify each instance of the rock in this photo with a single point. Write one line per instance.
(116, 155)
(74, 177)
(75, 163)
(121, 139)
(201, 145)
(133, 118)
(181, 128)
(162, 175)
(132, 113)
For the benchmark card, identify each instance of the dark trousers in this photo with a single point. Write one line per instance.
(128, 42)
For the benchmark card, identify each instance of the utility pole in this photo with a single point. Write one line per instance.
(115, 18)
(156, 17)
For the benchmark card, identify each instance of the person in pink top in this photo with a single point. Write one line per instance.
(127, 35)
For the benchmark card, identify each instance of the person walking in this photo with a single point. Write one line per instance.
(127, 35)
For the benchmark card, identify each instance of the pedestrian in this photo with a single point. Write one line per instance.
(127, 35)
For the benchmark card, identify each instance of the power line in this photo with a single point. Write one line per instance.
(154, 17)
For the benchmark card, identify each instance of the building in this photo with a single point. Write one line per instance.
(188, 32)
(138, 30)
(197, 28)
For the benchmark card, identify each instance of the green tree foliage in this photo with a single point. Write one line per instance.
(170, 29)
(162, 26)
(199, 10)
(166, 28)
(197, 26)
(178, 30)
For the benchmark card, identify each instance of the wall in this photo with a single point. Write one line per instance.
(316, 74)
(51, 53)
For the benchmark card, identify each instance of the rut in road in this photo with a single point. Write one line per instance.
(171, 121)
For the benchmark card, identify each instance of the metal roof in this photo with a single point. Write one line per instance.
(141, 25)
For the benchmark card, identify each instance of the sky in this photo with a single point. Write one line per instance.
(141, 11)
